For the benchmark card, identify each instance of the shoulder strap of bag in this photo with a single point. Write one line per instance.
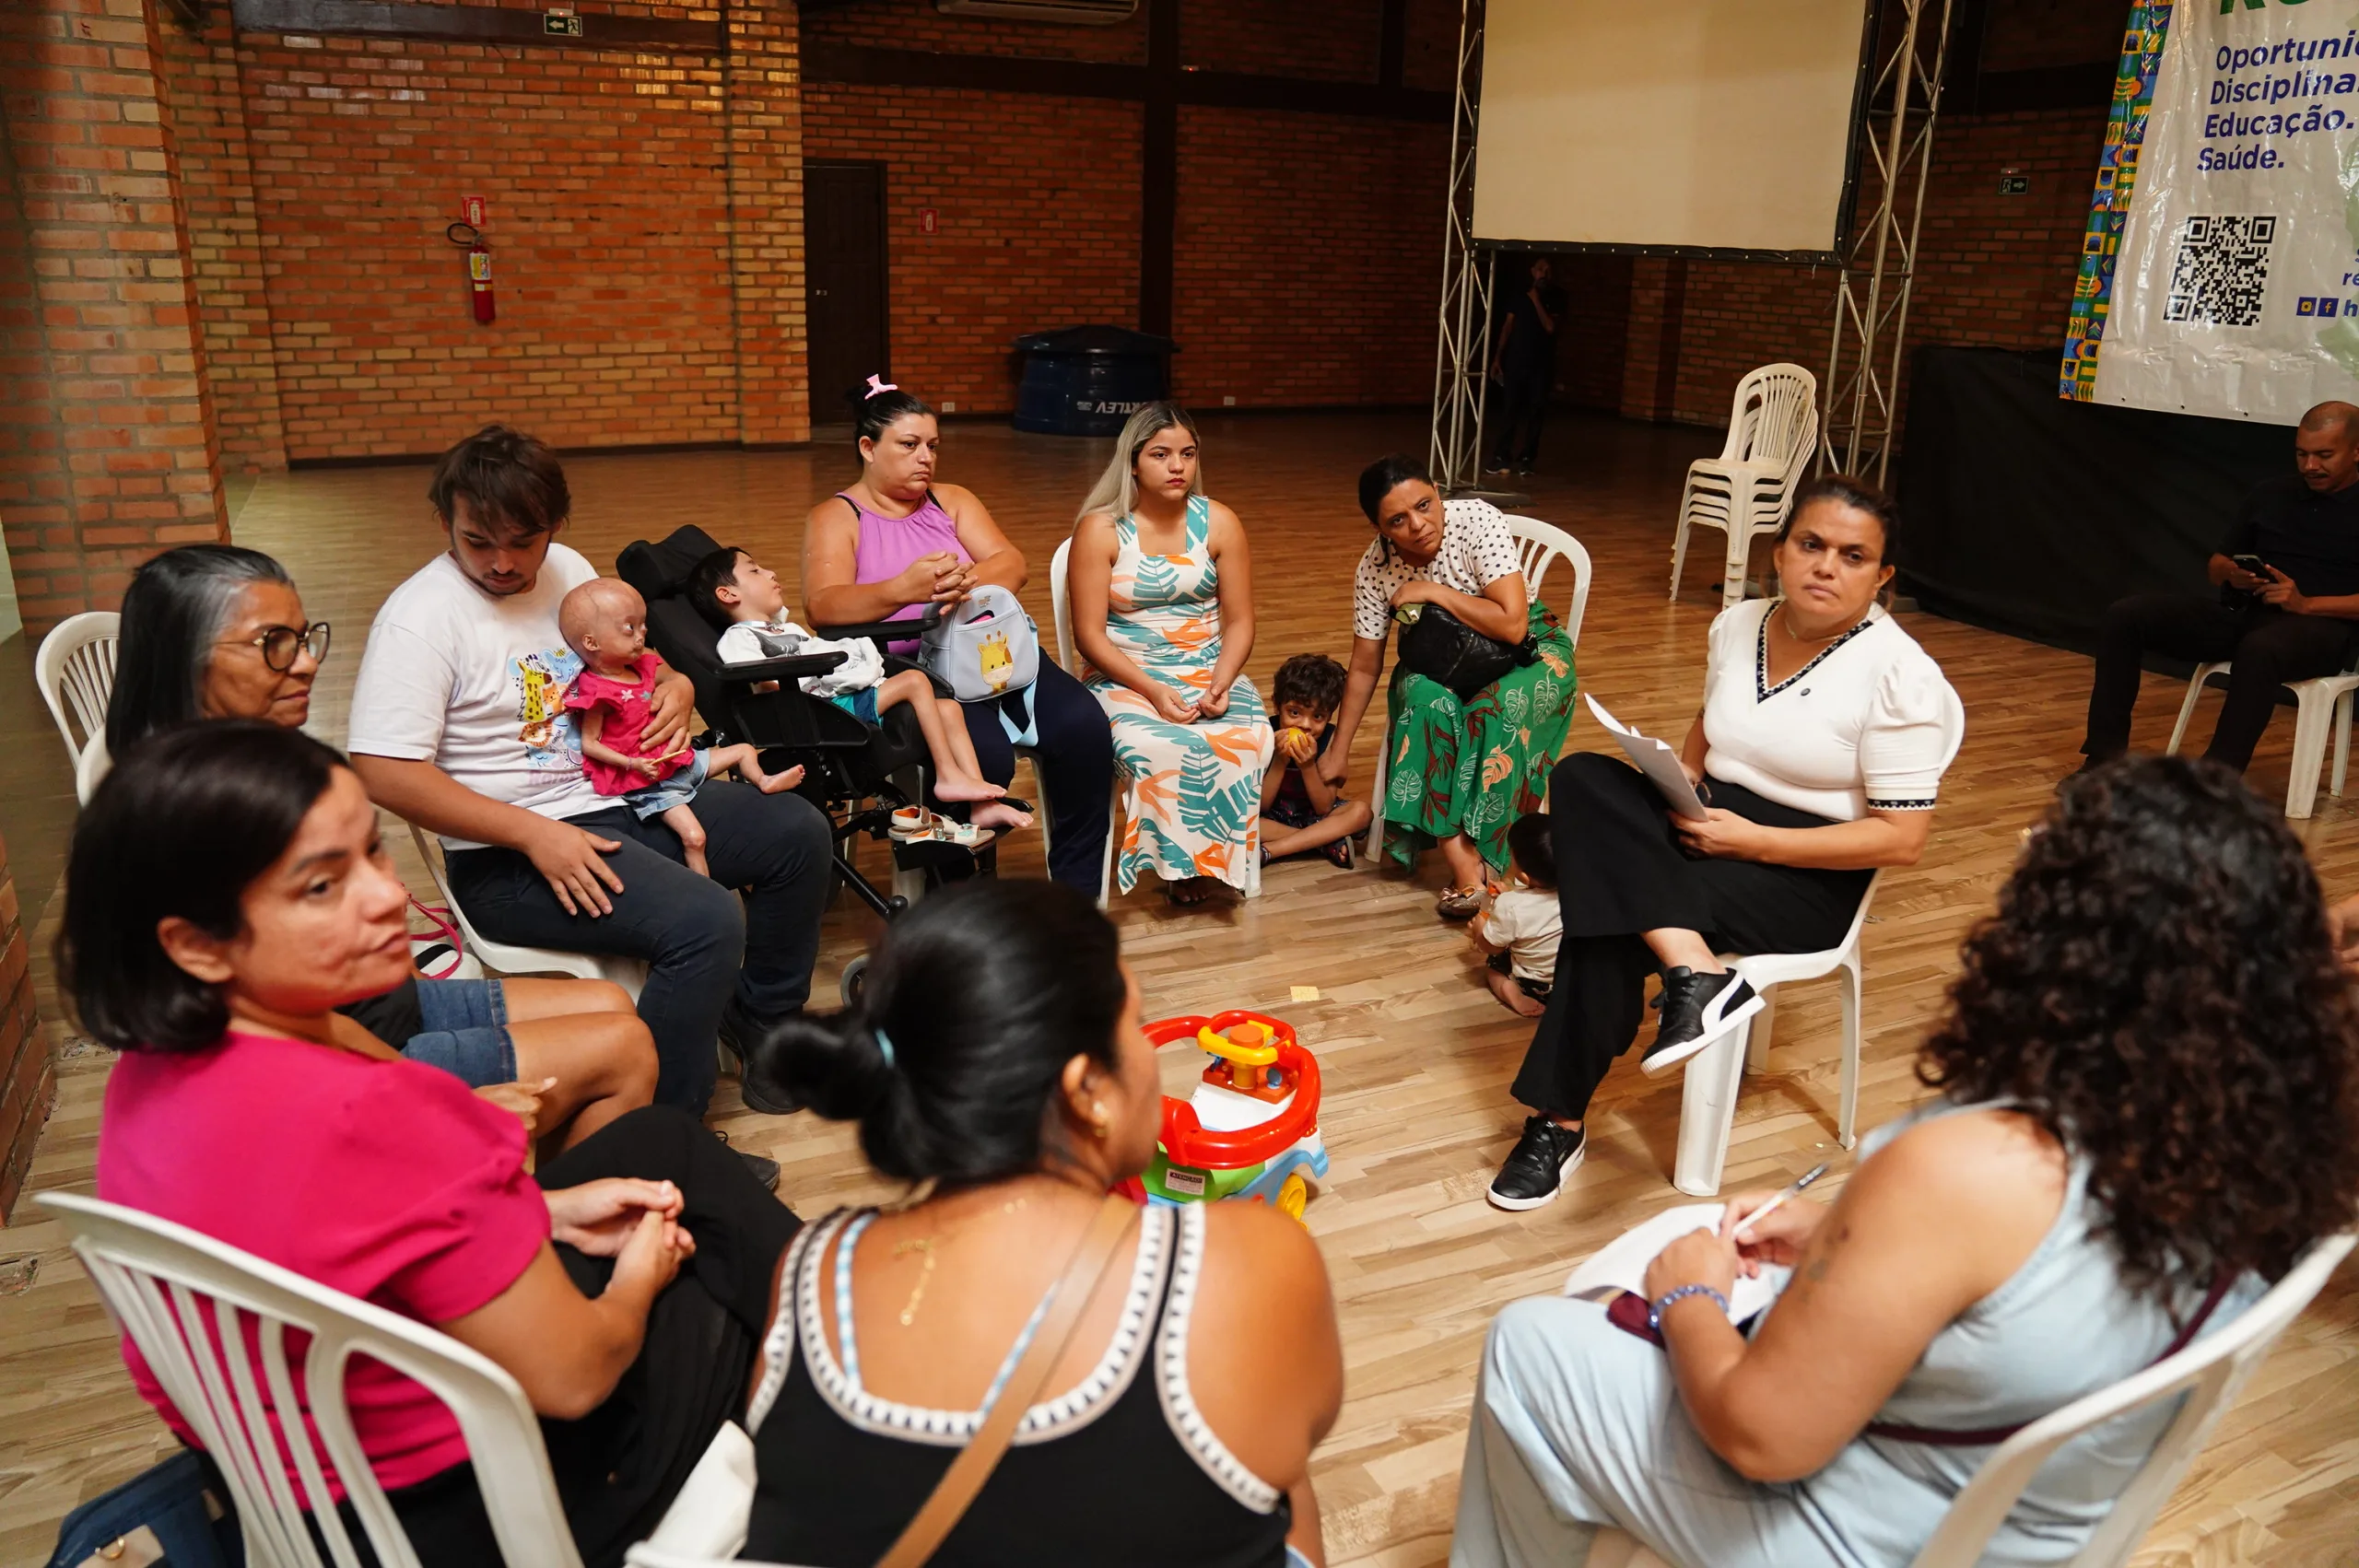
(975, 1462)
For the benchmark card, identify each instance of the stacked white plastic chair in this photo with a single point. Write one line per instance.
(1715, 1074)
(74, 669)
(185, 1299)
(1061, 608)
(1538, 546)
(1744, 492)
(2322, 707)
(2208, 1373)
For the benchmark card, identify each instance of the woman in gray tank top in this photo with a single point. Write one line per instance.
(2147, 1108)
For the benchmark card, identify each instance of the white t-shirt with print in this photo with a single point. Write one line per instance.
(1476, 551)
(474, 684)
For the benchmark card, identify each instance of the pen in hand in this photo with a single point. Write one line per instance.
(1783, 1193)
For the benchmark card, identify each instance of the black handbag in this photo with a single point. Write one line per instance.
(1438, 644)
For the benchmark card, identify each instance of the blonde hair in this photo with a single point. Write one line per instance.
(1117, 490)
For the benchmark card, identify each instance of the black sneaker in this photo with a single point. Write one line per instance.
(761, 1168)
(1534, 1170)
(751, 1042)
(1697, 1010)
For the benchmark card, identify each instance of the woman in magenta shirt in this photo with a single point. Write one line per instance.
(896, 542)
(228, 891)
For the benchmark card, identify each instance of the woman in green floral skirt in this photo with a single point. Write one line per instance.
(1457, 770)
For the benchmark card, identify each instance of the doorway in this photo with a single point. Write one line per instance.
(843, 228)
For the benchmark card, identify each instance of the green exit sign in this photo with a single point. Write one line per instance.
(2014, 184)
(561, 24)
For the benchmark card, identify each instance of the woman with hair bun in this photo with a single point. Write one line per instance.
(894, 541)
(2146, 1110)
(996, 1064)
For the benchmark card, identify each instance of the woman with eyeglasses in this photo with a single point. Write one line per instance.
(215, 631)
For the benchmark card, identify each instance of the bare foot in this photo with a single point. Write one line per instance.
(1189, 891)
(771, 784)
(1512, 996)
(695, 856)
(992, 815)
(949, 789)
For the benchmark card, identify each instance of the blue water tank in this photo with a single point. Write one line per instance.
(1087, 381)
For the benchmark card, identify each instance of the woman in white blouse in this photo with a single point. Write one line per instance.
(1461, 769)
(1820, 749)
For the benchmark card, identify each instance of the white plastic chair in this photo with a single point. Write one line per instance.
(629, 973)
(1061, 609)
(2321, 706)
(75, 667)
(1744, 492)
(1538, 546)
(172, 1287)
(1715, 1074)
(2209, 1372)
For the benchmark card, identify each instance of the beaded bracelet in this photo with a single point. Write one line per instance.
(1654, 1313)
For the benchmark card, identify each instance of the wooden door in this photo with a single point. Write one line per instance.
(843, 227)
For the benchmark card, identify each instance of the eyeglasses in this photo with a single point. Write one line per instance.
(280, 644)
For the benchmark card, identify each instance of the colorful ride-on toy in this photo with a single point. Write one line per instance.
(1250, 1131)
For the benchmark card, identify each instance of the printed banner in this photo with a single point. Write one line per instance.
(2125, 134)
(2235, 292)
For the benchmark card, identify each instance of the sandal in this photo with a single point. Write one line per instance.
(911, 821)
(1338, 853)
(1459, 902)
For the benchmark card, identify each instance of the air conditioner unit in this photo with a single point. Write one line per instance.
(1084, 13)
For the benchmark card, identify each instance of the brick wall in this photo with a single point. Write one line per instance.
(1306, 269)
(1334, 39)
(1992, 269)
(28, 1078)
(106, 444)
(1038, 222)
(915, 24)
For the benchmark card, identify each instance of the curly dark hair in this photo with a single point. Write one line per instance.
(2158, 990)
(1311, 679)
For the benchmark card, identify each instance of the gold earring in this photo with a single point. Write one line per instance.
(1098, 1121)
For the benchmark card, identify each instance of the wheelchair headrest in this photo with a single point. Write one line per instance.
(661, 570)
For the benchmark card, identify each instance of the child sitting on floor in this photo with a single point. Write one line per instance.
(1521, 924)
(734, 591)
(605, 621)
(1300, 811)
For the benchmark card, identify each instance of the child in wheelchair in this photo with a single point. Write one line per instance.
(734, 591)
(604, 622)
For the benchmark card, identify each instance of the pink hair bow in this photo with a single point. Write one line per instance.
(879, 384)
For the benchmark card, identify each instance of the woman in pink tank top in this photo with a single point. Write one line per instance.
(895, 540)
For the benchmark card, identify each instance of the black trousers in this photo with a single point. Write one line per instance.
(1522, 407)
(1620, 872)
(1076, 757)
(2270, 648)
(618, 1467)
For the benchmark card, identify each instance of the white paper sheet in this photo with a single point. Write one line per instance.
(1620, 1264)
(1655, 759)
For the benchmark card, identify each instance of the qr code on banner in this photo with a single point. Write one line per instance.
(2221, 271)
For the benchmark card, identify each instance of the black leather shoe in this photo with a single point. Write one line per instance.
(1535, 1169)
(1697, 1010)
(761, 1168)
(755, 1047)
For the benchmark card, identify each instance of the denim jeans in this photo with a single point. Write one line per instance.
(699, 940)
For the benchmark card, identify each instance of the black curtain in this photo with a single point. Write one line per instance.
(2028, 514)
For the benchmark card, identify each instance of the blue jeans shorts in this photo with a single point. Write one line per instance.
(677, 790)
(861, 705)
(465, 1031)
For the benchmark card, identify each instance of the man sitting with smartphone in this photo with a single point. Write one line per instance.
(2288, 609)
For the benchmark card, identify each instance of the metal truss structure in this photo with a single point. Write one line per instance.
(1461, 360)
(1871, 296)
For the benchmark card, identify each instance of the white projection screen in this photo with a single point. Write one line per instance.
(1668, 124)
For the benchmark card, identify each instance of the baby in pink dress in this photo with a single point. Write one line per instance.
(605, 621)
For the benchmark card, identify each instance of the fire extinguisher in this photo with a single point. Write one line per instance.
(470, 239)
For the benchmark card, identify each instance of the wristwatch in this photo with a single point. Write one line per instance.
(1655, 1312)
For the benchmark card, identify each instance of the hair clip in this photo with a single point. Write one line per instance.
(878, 384)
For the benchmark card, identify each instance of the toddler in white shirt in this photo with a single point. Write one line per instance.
(731, 589)
(1519, 926)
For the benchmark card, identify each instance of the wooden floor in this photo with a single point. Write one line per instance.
(1416, 1055)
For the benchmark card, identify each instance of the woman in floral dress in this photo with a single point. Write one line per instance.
(1458, 771)
(1163, 617)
